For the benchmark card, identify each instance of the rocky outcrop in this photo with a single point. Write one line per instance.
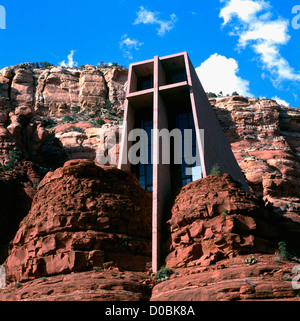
(82, 216)
(223, 246)
(231, 280)
(213, 219)
(17, 189)
(265, 141)
(54, 91)
(89, 228)
(107, 284)
(26, 132)
(116, 80)
(30, 97)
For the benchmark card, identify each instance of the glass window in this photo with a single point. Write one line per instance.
(183, 124)
(196, 173)
(188, 172)
(144, 169)
(142, 181)
(145, 82)
(149, 178)
(150, 188)
(175, 76)
(191, 120)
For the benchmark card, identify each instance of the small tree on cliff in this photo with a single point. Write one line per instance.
(211, 95)
(215, 170)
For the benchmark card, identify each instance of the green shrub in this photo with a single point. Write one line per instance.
(14, 158)
(225, 211)
(215, 170)
(36, 183)
(103, 64)
(112, 112)
(125, 242)
(163, 274)
(250, 260)
(211, 95)
(74, 129)
(49, 123)
(99, 122)
(77, 129)
(97, 268)
(108, 104)
(68, 119)
(76, 109)
(45, 64)
(283, 252)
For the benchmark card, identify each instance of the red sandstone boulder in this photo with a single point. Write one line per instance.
(213, 219)
(82, 216)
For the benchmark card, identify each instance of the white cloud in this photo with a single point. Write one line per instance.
(281, 102)
(219, 73)
(127, 45)
(263, 34)
(149, 17)
(71, 63)
(245, 10)
(266, 32)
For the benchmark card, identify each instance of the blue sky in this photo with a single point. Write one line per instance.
(251, 46)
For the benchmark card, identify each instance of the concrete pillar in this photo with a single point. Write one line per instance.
(161, 172)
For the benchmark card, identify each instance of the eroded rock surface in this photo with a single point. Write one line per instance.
(213, 219)
(99, 285)
(82, 216)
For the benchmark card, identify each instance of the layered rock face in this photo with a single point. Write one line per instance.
(82, 216)
(20, 130)
(56, 90)
(30, 97)
(264, 138)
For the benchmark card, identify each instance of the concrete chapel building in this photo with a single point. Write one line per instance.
(164, 93)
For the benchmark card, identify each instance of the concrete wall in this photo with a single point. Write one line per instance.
(161, 172)
(217, 149)
(128, 125)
